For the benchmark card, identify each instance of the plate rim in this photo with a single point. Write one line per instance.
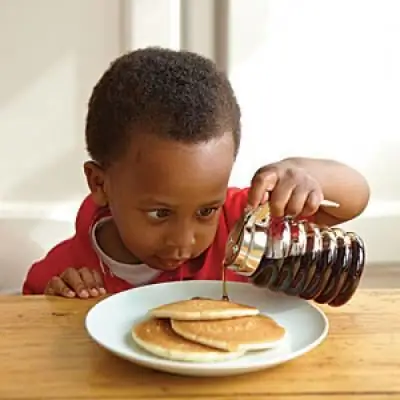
(153, 362)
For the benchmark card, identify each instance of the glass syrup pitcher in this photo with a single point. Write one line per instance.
(296, 257)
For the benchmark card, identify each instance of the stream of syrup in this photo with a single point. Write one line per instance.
(224, 286)
(224, 296)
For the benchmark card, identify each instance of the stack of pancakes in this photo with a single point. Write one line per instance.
(206, 330)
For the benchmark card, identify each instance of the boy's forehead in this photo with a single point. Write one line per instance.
(168, 167)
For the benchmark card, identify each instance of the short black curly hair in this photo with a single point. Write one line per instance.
(180, 94)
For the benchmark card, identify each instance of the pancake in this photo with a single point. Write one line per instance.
(157, 337)
(200, 309)
(238, 334)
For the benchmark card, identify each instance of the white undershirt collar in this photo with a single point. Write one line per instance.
(135, 274)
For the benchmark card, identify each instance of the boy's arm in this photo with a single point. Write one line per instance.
(53, 264)
(340, 183)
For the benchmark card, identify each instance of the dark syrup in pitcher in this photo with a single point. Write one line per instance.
(297, 257)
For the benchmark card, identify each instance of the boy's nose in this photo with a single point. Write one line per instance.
(182, 242)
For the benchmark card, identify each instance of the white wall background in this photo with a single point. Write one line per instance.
(314, 78)
(52, 54)
(322, 78)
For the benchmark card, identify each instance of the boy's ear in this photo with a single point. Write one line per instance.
(95, 177)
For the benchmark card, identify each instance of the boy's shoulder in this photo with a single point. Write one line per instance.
(88, 214)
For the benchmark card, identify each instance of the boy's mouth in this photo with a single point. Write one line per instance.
(170, 263)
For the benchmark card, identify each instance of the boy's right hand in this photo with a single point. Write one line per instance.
(82, 283)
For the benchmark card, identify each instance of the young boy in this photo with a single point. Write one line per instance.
(163, 130)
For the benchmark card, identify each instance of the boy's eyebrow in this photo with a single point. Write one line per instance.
(214, 203)
(157, 203)
(154, 203)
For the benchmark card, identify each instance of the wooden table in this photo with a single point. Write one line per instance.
(45, 353)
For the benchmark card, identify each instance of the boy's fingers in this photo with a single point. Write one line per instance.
(262, 182)
(57, 287)
(296, 202)
(313, 202)
(73, 278)
(99, 282)
(90, 281)
(49, 291)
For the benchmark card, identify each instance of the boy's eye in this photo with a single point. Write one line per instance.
(206, 212)
(159, 213)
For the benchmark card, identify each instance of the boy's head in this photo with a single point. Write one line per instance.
(163, 130)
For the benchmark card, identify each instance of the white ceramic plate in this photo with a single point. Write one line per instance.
(110, 321)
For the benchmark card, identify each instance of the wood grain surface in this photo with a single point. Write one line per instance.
(45, 353)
